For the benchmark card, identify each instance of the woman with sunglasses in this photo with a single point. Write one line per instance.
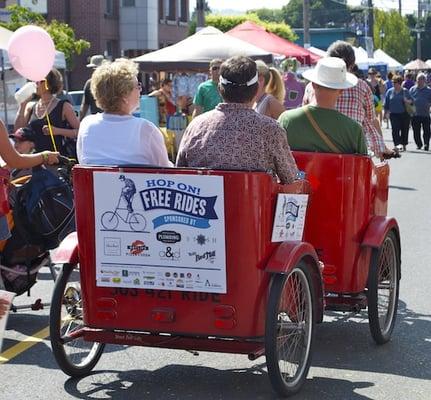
(47, 111)
(116, 137)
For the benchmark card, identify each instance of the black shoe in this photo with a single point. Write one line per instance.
(426, 148)
(419, 147)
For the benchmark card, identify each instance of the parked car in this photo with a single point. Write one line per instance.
(77, 100)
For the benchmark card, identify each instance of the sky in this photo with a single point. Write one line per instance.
(242, 5)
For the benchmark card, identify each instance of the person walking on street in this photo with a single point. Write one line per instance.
(395, 108)
(421, 95)
(208, 96)
(88, 101)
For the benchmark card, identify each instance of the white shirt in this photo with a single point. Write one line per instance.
(108, 139)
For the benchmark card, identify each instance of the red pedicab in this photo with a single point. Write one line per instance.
(273, 292)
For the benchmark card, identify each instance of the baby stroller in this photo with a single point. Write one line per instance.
(42, 215)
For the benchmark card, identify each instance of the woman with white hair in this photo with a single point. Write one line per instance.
(116, 137)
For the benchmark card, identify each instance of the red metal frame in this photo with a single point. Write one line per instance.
(250, 200)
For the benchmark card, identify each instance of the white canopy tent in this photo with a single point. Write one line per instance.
(393, 65)
(196, 51)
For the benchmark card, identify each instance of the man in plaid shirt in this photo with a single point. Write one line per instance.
(356, 102)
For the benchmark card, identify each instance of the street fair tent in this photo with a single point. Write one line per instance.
(393, 65)
(260, 37)
(319, 52)
(416, 65)
(196, 51)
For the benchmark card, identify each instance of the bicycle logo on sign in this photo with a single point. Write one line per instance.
(111, 219)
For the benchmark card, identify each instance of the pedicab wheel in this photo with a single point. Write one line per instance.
(137, 222)
(383, 289)
(289, 329)
(109, 220)
(74, 356)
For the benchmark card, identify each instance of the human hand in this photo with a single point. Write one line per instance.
(45, 130)
(4, 307)
(50, 157)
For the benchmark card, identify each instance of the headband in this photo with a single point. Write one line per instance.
(252, 81)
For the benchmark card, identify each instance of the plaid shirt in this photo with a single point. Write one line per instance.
(356, 103)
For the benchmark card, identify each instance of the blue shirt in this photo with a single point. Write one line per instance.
(422, 99)
(394, 102)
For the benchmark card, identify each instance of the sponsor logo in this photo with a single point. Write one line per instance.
(116, 280)
(169, 237)
(207, 256)
(201, 239)
(112, 246)
(137, 248)
(110, 272)
(125, 273)
(105, 279)
(189, 275)
(170, 254)
(179, 283)
(136, 281)
(149, 283)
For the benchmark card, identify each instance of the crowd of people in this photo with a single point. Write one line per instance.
(240, 118)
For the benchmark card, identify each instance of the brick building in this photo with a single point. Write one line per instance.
(120, 27)
(113, 27)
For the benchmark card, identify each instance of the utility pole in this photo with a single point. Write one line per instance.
(399, 7)
(200, 14)
(306, 23)
(418, 31)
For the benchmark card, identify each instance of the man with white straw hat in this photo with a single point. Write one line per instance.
(88, 101)
(321, 127)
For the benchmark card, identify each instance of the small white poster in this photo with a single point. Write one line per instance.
(289, 217)
(160, 231)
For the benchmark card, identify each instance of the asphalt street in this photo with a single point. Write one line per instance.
(346, 365)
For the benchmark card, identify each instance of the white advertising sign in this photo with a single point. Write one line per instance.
(289, 217)
(160, 231)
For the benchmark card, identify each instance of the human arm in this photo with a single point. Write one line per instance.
(23, 114)
(275, 108)
(285, 165)
(197, 110)
(4, 307)
(20, 161)
(85, 103)
(308, 94)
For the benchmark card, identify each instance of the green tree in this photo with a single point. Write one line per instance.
(226, 23)
(323, 13)
(61, 33)
(397, 41)
(268, 14)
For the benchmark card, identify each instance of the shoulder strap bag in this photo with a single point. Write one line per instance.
(319, 131)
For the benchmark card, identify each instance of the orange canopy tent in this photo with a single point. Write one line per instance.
(260, 37)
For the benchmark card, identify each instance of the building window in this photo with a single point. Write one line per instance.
(128, 3)
(109, 7)
(172, 10)
(161, 13)
(183, 11)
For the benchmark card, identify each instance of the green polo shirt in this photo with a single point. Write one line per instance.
(207, 96)
(344, 132)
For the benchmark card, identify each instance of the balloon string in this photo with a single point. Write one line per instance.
(50, 132)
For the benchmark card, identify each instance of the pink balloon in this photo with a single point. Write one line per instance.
(31, 52)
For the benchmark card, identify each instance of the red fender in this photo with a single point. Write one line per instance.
(377, 230)
(287, 255)
(67, 252)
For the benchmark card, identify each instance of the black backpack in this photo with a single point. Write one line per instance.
(45, 205)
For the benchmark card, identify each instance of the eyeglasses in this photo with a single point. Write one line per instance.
(215, 68)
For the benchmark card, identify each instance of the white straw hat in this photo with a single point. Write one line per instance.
(96, 61)
(331, 72)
